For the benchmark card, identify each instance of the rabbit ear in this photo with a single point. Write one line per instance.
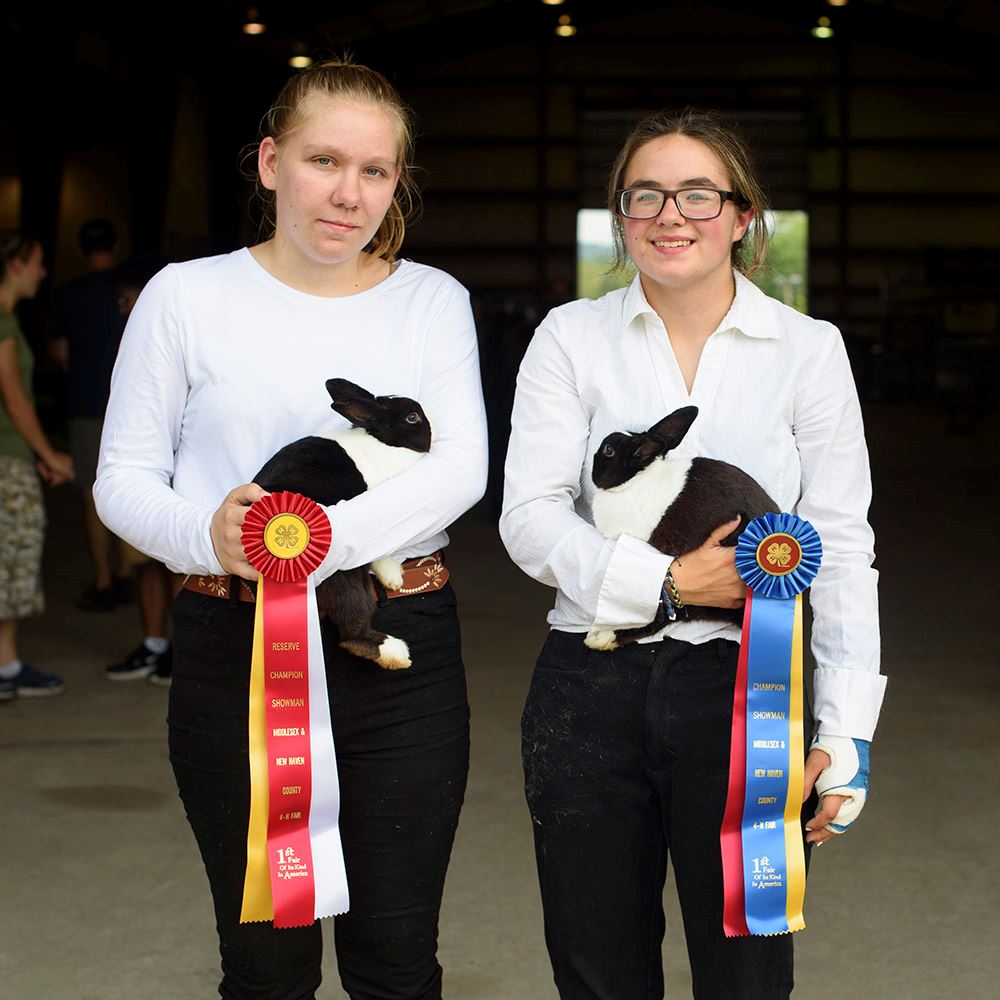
(341, 390)
(358, 405)
(360, 412)
(670, 431)
(650, 446)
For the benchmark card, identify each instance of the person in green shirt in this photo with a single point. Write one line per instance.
(25, 453)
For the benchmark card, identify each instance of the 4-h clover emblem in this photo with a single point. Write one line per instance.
(779, 554)
(286, 536)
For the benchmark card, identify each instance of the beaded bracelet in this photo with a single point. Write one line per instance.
(668, 604)
(671, 588)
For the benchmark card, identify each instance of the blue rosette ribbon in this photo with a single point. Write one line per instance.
(767, 560)
(777, 556)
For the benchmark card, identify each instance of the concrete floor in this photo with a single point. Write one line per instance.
(103, 894)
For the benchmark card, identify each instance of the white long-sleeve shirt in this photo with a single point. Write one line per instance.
(776, 398)
(221, 365)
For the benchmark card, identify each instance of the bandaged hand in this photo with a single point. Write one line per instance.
(846, 776)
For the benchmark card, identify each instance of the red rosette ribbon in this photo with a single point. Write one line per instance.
(286, 536)
(295, 870)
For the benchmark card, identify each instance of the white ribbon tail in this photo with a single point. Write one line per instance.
(329, 873)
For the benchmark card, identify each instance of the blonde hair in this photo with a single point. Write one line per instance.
(723, 137)
(345, 79)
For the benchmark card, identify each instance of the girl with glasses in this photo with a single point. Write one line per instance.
(626, 750)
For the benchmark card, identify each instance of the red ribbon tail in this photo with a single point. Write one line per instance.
(286, 659)
(734, 918)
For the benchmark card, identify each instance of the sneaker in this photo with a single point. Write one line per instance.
(164, 672)
(141, 662)
(32, 683)
(8, 690)
(93, 599)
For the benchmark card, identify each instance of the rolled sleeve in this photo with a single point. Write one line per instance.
(847, 702)
(632, 584)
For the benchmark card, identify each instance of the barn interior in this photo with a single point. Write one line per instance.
(875, 128)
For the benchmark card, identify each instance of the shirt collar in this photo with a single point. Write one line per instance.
(750, 313)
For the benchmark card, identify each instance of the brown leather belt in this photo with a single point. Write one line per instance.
(420, 576)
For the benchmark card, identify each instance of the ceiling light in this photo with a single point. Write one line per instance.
(553, 3)
(823, 29)
(253, 24)
(837, 3)
(565, 28)
(300, 57)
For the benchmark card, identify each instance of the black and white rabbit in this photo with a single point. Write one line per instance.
(388, 435)
(673, 505)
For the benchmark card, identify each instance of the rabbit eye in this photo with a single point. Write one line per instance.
(413, 418)
(608, 451)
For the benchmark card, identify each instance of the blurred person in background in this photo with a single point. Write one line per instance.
(86, 325)
(24, 448)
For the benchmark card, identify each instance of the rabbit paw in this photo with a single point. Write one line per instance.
(601, 638)
(389, 573)
(393, 654)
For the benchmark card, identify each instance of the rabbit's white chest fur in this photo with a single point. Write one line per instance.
(636, 507)
(376, 461)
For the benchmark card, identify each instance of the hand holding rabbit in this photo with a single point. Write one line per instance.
(678, 506)
(707, 575)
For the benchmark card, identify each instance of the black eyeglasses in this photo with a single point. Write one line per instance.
(692, 203)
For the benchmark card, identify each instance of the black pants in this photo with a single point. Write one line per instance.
(626, 761)
(402, 742)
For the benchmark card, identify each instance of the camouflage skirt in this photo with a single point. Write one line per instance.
(22, 533)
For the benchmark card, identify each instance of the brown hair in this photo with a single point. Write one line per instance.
(724, 138)
(14, 245)
(343, 78)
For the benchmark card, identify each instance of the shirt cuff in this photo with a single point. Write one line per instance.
(632, 584)
(334, 558)
(206, 561)
(847, 702)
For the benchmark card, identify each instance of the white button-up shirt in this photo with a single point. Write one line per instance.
(775, 397)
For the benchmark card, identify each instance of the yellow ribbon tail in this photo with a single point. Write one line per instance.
(794, 853)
